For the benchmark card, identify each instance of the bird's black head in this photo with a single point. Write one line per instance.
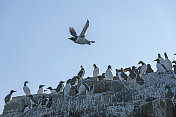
(133, 67)
(174, 66)
(165, 54)
(94, 65)
(31, 96)
(68, 81)
(12, 91)
(158, 61)
(109, 67)
(61, 82)
(50, 88)
(41, 86)
(174, 61)
(148, 65)
(117, 70)
(25, 83)
(159, 56)
(141, 62)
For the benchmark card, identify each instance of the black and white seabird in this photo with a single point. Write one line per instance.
(81, 38)
(33, 102)
(124, 76)
(118, 74)
(132, 74)
(50, 102)
(95, 71)
(26, 108)
(143, 68)
(139, 80)
(81, 73)
(161, 59)
(169, 93)
(86, 88)
(8, 98)
(75, 80)
(40, 90)
(60, 87)
(109, 75)
(26, 89)
(160, 67)
(44, 100)
(149, 69)
(167, 62)
(67, 88)
(52, 90)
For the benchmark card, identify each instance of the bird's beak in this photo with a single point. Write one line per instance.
(174, 54)
(14, 91)
(155, 60)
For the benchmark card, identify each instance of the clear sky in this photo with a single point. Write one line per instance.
(34, 43)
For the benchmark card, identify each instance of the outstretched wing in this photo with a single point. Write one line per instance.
(83, 33)
(72, 32)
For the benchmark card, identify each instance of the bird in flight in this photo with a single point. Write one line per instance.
(81, 38)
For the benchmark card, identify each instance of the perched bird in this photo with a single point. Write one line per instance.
(60, 87)
(132, 74)
(124, 76)
(25, 108)
(169, 94)
(118, 74)
(86, 88)
(44, 100)
(81, 38)
(67, 88)
(139, 80)
(26, 89)
(143, 67)
(174, 71)
(52, 90)
(50, 102)
(33, 102)
(95, 71)
(74, 81)
(108, 75)
(8, 98)
(149, 69)
(40, 90)
(160, 67)
(161, 59)
(167, 62)
(81, 73)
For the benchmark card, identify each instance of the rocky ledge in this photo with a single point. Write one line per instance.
(110, 98)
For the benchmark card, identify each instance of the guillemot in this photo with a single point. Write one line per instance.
(8, 98)
(26, 89)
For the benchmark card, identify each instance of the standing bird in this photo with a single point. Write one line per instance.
(143, 67)
(81, 38)
(26, 89)
(167, 62)
(139, 80)
(161, 59)
(109, 75)
(149, 69)
(95, 71)
(81, 73)
(124, 76)
(118, 74)
(60, 87)
(160, 67)
(74, 81)
(132, 74)
(50, 102)
(33, 102)
(67, 88)
(52, 90)
(86, 88)
(40, 90)
(8, 98)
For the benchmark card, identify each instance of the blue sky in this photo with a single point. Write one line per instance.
(34, 43)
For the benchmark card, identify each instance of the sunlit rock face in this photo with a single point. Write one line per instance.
(111, 98)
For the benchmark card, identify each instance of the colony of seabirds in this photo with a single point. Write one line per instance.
(134, 74)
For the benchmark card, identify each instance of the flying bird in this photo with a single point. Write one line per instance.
(81, 38)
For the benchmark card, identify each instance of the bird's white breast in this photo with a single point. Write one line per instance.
(143, 69)
(26, 90)
(120, 77)
(109, 75)
(96, 72)
(62, 88)
(67, 89)
(81, 89)
(168, 64)
(40, 91)
(160, 67)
